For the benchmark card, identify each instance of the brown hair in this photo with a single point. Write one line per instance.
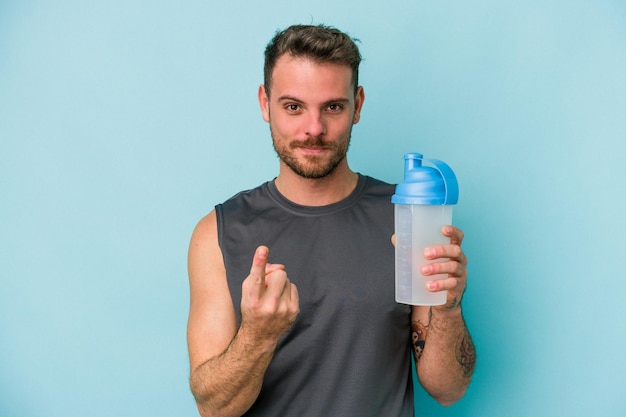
(320, 43)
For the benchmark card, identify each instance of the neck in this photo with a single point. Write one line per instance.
(319, 191)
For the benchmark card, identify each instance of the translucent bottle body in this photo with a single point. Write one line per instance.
(418, 227)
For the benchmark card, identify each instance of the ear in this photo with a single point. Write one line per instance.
(264, 103)
(358, 104)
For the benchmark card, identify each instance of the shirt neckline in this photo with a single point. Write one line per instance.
(316, 210)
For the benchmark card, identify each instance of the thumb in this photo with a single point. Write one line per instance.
(257, 271)
(269, 268)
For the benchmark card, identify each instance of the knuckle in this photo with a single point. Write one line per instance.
(270, 307)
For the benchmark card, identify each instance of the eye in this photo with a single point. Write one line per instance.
(292, 107)
(334, 108)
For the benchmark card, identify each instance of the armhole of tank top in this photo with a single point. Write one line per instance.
(219, 220)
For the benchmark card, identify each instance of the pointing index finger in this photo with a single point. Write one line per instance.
(257, 271)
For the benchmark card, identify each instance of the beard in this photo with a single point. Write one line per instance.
(314, 166)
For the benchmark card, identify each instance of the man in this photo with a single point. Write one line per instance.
(292, 307)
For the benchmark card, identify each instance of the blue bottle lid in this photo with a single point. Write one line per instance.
(426, 185)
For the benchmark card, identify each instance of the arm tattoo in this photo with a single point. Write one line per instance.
(466, 355)
(418, 338)
(453, 303)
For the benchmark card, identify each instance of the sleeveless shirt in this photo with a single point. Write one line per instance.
(348, 352)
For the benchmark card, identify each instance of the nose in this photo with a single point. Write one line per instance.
(315, 124)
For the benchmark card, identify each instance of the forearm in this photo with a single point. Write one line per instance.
(448, 359)
(229, 383)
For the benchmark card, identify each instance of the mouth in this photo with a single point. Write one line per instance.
(311, 146)
(311, 150)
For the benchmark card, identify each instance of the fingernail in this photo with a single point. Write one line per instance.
(429, 253)
(427, 269)
(262, 251)
(432, 285)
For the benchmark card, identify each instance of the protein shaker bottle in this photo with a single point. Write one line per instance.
(422, 205)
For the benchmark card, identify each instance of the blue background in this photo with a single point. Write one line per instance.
(123, 122)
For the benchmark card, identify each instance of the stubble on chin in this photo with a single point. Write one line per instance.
(314, 167)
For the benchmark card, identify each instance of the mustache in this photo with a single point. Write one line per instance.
(313, 142)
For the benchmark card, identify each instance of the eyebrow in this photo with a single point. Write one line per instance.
(297, 100)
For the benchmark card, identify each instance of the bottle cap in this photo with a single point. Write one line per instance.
(426, 185)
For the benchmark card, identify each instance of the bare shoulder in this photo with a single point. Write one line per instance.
(212, 324)
(204, 248)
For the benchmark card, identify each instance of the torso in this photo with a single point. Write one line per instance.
(348, 353)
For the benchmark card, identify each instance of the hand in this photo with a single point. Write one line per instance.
(269, 301)
(454, 265)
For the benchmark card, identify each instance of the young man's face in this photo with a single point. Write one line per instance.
(311, 110)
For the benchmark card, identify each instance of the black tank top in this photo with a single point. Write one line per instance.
(348, 353)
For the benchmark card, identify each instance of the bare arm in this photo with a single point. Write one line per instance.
(444, 351)
(228, 363)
